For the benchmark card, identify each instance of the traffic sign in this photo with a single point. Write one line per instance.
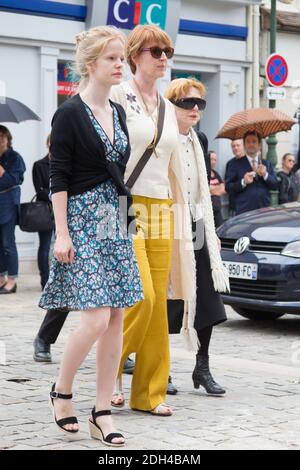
(276, 93)
(276, 70)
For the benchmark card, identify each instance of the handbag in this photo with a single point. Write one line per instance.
(36, 216)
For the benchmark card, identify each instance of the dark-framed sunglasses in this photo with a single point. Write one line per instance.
(190, 103)
(157, 51)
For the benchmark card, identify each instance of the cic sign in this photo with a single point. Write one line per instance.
(128, 13)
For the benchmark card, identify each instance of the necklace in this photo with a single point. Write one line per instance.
(141, 95)
(155, 121)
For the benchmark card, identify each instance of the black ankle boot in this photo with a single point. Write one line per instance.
(202, 376)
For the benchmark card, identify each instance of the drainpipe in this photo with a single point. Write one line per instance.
(272, 141)
(256, 51)
(249, 58)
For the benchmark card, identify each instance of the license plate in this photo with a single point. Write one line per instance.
(241, 270)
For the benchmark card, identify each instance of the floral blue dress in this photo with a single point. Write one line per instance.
(105, 270)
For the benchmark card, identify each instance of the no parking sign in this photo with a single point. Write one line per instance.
(276, 70)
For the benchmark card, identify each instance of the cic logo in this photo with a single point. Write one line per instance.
(128, 13)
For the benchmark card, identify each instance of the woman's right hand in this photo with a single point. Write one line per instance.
(63, 249)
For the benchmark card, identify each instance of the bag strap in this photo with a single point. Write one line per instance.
(151, 147)
(9, 189)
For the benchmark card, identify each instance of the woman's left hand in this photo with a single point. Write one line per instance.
(2, 171)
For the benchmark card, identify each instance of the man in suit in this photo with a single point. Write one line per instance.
(249, 178)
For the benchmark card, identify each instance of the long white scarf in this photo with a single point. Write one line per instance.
(218, 271)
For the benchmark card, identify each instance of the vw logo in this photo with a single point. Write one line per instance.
(241, 245)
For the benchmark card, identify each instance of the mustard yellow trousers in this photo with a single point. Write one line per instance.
(145, 323)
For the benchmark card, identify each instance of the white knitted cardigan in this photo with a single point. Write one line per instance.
(218, 271)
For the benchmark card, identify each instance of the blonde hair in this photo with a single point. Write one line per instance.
(90, 45)
(179, 87)
(139, 37)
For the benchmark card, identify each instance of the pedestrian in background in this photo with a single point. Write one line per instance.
(12, 168)
(40, 176)
(217, 189)
(237, 147)
(250, 178)
(287, 183)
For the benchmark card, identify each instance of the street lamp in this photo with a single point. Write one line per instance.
(272, 141)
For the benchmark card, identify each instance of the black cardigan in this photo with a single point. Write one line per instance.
(78, 160)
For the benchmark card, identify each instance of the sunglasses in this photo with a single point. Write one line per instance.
(156, 51)
(190, 103)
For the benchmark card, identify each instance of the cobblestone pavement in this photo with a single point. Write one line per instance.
(258, 363)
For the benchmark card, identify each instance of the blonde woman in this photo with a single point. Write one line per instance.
(145, 324)
(187, 95)
(91, 271)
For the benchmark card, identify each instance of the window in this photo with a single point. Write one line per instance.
(66, 81)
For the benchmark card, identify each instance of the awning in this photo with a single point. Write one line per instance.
(286, 20)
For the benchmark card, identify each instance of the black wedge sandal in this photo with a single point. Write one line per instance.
(62, 422)
(97, 433)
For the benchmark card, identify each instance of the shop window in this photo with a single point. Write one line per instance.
(67, 81)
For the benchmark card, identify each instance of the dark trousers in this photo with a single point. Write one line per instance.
(52, 324)
(204, 337)
(43, 255)
(9, 263)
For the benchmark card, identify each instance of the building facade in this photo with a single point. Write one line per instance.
(288, 45)
(214, 40)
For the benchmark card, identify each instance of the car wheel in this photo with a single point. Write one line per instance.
(257, 314)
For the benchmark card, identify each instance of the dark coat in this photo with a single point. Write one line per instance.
(40, 176)
(288, 189)
(10, 192)
(204, 144)
(255, 195)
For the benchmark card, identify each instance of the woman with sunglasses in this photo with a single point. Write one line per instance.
(208, 309)
(145, 324)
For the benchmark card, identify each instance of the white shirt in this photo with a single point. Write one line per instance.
(153, 182)
(257, 160)
(251, 160)
(191, 176)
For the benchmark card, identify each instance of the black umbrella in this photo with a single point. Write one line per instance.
(14, 111)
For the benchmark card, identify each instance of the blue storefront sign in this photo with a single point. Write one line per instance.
(128, 13)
